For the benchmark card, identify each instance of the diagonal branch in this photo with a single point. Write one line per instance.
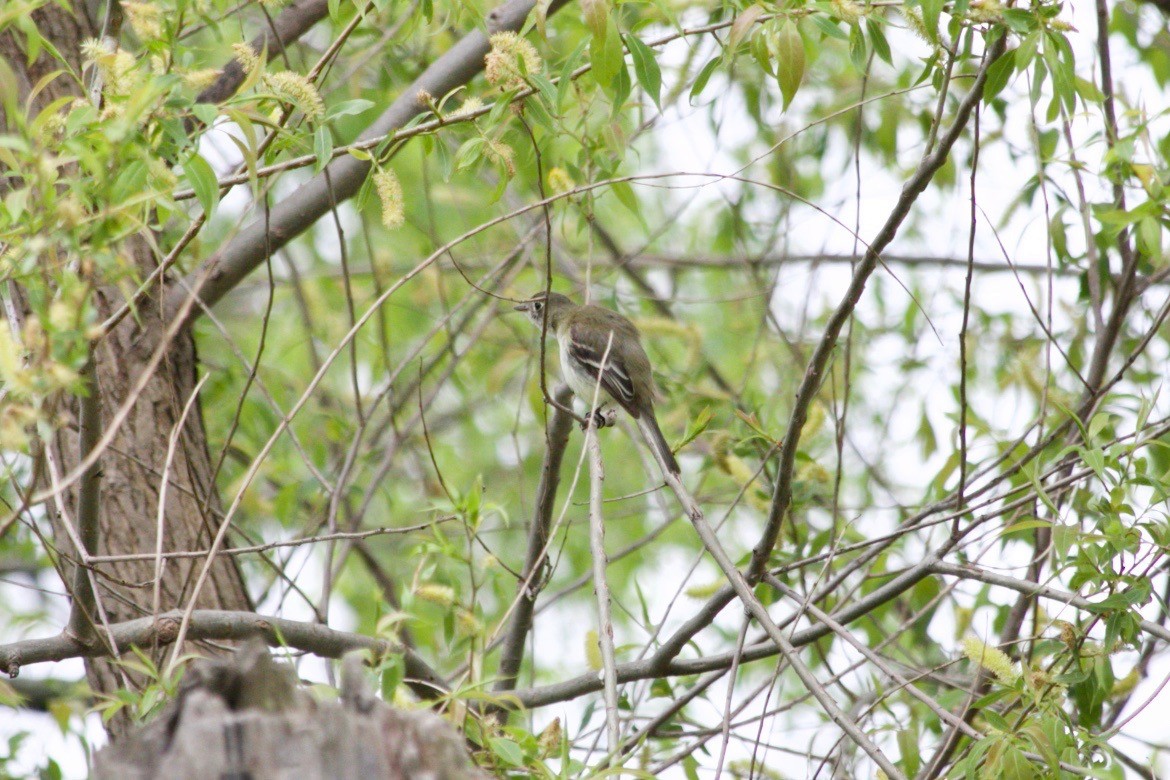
(811, 382)
(293, 22)
(343, 177)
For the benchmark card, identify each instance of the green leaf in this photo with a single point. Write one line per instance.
(507, 750)
(205, 113)
(621, 86)
(646, 68)
(789, 60)
(704, 76)
(349, 107)
(930, 13)
(858, 53)
(597, 13)
(1149, 239)
(999, 74)
(566, 75)
(1026, 51)
(545, 88)
(592, 650)
(1122, 600)
(607, 57)
(625, 193)
(1019, 20)
(1088, 91)
(695, 427)
(881, 47)
(742, 25)
(911, 759)
(469, 153)
(393, 671)
(202, 180)
(322, 147)
(829, 27)
(1024, 525)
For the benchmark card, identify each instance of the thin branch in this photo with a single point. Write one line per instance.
(600, 562)
(811, 382)
(292, 22)
(601, 588)
(531, 583)
(296, 213)
(1032, 589)
(757, 610)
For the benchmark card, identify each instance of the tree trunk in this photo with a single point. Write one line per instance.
(132, 467)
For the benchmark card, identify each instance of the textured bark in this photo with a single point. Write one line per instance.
(246, 717)
(132, 467)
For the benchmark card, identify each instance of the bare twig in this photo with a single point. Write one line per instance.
(531, 582)
(600, 562)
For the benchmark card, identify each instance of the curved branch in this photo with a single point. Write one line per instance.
(219, 624)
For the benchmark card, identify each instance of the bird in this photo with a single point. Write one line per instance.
(592, 340)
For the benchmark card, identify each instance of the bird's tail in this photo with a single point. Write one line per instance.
(657, 442)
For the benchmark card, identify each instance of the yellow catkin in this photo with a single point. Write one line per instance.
(442, 595)
(247, 57)
(501, 66)
(559, 180)
(145, 19)
(389, 191)
(990, 658)
(298, 90)
(847, 10)
(469, 107)
(500, 152)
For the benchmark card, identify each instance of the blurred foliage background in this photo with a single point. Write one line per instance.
(715, 171)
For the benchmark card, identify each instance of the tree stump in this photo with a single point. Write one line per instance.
(244, 718)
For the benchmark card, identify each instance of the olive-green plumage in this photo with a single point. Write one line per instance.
(602, 355)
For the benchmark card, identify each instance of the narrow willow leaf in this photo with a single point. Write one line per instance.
(592, 650)
(789, 60)
(930, 13)
(998, 75)
(858, 51)
(202, 180)
(646, 68)
(596, 15)
(881, 46)
(704, 76)
(349, 107)
(322, 147)
(742, 25)
(607, 57)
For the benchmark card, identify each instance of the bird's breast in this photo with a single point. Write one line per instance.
(580, 382)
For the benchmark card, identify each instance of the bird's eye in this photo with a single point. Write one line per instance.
(536, 306)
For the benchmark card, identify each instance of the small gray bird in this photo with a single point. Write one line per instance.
(583, 334)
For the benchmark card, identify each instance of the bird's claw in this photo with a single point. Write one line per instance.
(599, 418)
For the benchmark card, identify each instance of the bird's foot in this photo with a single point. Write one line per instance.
(599, 418)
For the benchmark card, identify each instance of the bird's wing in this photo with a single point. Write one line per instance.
(588, 350)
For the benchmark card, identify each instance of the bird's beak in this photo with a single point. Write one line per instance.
(521, 307)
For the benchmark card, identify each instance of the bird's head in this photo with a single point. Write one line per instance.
(536, 306)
